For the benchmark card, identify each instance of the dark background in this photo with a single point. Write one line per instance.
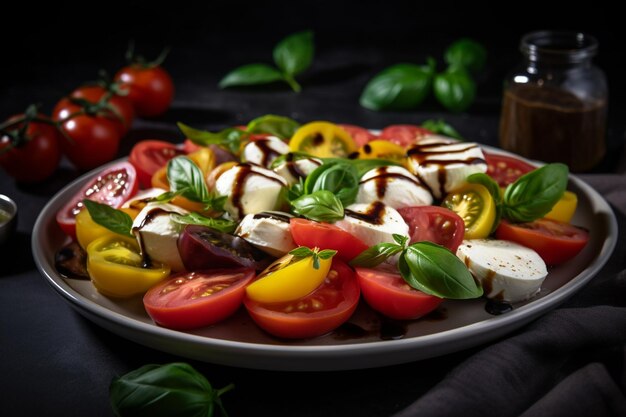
(57, 363)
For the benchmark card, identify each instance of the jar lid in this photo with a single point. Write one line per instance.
(558, 47)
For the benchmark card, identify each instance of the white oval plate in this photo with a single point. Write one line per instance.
(239, 342)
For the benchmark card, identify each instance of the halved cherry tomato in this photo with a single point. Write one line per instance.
(505, 169)
(148, 156)
(123, 112)
(322, 139)
(556, 242)
(117, 269)
(195, 299)
(150, 88)
(382, 149)
(389, 294)
(434, 224)
(113, 187)
(476, 206)
(326, 236)
(404, 135)
(564, 209)
(360, 135)
(320, 312)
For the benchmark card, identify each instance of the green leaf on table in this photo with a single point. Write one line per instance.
(251, 74)
(455, 89)
(106, 216)
(294, 53)
(466, 53)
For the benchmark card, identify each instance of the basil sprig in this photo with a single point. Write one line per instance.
(106, 216)
(321, 206)
(425, 266)
(186, 179)
(534, 194)
(442, 128)
(340, 178)
(317, 254)
(174, 389)
(292, 55)
(222, 225)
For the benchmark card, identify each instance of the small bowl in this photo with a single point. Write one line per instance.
(8, 218)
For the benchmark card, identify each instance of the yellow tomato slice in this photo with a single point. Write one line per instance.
(116, 267)
(383, 149)
(87, 230)
(474, 204)
(288, 279)
(322, 139)
(564, 209)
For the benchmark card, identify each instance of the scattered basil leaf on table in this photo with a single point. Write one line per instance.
(440, 127)
(455, 89)
(174, 389)
(467, 53)
(321, 206)
(280, 126)
(106, 216)
(399, 87)
(222, 225)
(292, 55)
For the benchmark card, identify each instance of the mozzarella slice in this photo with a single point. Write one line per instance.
(444, 167)
(262, 152)
(373, 223)
(267, 231)
(506, 270)
(249, 189)
(394, 186)
(157, 233)
(292, 171)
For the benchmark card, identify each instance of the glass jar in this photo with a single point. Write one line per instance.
(555, 103)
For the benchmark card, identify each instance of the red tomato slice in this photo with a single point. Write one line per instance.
(504, 169)
(404, 135)
(360, 135)
(113, 186)
(326, 236)
(149, 155)
(320, 312)
(434, 224)
(195, 299)
(556, 242)
(389, 294)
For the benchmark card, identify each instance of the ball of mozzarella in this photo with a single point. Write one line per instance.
(395, 186)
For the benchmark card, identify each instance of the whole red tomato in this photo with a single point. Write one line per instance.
(35, 155)
(150, 88)
(122, 111)
(93, 136)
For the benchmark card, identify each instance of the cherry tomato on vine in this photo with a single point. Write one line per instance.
(122, 108)
(29, 153)
(150, 88)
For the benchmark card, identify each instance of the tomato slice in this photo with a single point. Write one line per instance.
(476, 206)
(383, 149)
(556, 242)
(326, 236)
(322, 139)
(387, 293)
(148, 156)
(504, 169)
(404, 135)
(117, 269)
(360, 135)
(565, 208)
(320, 312)
(195, 299)
(434, 224)
(113, 186)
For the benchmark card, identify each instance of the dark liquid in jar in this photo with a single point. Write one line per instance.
(553, 125)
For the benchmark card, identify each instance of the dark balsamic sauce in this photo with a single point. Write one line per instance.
(497, 307)
(71, 262)
(385, 329)
(267, 152)
(276, 215)
(373, 215)
(240, 180)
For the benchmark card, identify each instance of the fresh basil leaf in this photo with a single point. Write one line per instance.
(106, 216)
(229, 138)
(327, 253)
(534, 194)
(185, 176)
(494, 189)
(364, 165)
(251, 74)
(400, 239)
(321, 206)
(399, 87)
(466, 53)
(434, 270)
(166, 197)
(442, 128)
(222, 225)
(301, 252)
(376, 255)
(455, 89)
(295, 191)
(294, 53)
(280, 126)
(174, 389)
(341, 179)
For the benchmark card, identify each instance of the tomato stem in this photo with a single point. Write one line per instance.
(140, 61)
(292, 83)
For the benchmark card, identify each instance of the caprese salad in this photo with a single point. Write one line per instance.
(297, 222)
